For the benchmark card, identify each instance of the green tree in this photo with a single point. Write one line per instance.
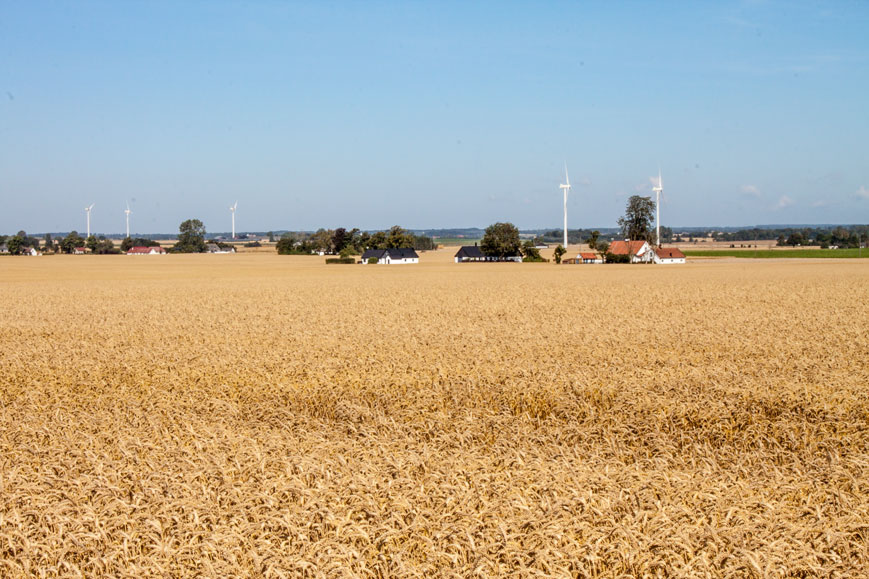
(71, 241)
(558, 253)
(377, 241)
(603, 248)
(91, 243)
(48, 241)
(321, 240)
(191, 237)
(339, 240)
(271, 235)
(14, 244)
(530, 253)
(398, 237)
(105, 246)
(500, 240)
(637, 221)
(592, 239)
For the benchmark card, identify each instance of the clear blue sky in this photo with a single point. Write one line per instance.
(430, 114)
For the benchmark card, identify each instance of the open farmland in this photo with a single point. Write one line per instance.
(260, 415)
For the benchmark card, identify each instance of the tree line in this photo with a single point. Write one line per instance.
(347, 242)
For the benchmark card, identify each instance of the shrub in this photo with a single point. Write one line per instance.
(340, 260)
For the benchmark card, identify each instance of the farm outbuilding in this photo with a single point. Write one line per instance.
(142, 250)
(468, 253)
(668, 255)
(396, 255)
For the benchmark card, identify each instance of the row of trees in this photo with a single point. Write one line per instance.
(852, 237)
(346, 242)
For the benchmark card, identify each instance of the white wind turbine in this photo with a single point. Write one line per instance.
(566, 188)
(127, 213)
(658, 191)
(88, 211)
(232, 209)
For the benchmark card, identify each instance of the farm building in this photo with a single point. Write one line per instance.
(639, 251)
(142, 250)
(214, 248)
(468, 253)
(668, 255)
(588, 258)
(21, 251)
(395, 255)
(80, 250)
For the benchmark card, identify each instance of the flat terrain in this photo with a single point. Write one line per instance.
(261, 415)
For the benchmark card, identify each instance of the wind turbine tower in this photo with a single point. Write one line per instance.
(232, 210)
(88, 211)
(127, 213)
(566, 188)
(658, 190)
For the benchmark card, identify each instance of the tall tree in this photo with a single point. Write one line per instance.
(71, 241)
(558, 253)
(636, 224)
(501, 240)
(592, 239)
(191, 237)
(339, 240)
(14, 244)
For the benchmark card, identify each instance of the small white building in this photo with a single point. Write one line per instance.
(214, 248)
(639, 251)
(142, 250)
(668, 255)
(396, 255)
(80, 250)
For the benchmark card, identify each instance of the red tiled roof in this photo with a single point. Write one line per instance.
(587, 256)
(626, 247)
(143, 249)
(669, 253)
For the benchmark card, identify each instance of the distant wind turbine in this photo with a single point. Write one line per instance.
(658, 191)
(88, 211)
(232, 209)
(566, 188)
(127, 213)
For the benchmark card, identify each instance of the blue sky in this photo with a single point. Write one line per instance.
(435, 114)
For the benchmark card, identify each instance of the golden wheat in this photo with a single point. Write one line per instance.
(272, 416)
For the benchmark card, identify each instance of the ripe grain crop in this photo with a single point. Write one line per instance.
(259, 415)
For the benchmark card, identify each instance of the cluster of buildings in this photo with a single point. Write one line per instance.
(636, 252)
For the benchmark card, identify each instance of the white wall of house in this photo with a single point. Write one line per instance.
(666, 260)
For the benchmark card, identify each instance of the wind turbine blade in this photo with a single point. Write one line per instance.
(566, 176)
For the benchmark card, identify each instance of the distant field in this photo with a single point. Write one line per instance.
(455, 241)
(259, 415)
(777, 253)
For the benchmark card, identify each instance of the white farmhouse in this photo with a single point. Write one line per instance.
(142, 250)
(639, 251)
(668, 255)
(391, 256)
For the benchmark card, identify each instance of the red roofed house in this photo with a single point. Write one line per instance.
(588, 258)
(142, 250)
(668, 255)
(80, 250)
(639, 251)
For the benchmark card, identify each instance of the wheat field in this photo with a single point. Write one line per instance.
(265, 416)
